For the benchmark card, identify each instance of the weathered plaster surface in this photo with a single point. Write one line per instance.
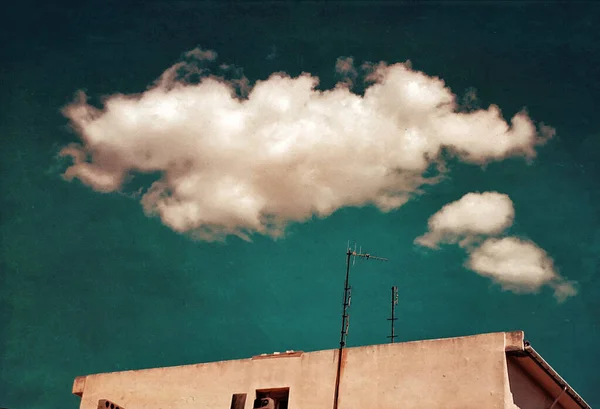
(456, 373)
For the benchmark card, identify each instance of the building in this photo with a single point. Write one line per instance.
(488, 371)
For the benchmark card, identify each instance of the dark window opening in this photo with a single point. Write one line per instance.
(104, 403)
(238, 401)
(276, 398)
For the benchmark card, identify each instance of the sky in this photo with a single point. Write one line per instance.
(180, 182)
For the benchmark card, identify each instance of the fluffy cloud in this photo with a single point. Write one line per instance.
(344, 66)
(519, 266)
(235, 159)
(473, 215)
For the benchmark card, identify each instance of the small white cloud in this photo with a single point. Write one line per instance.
(236, 159)
(344, 66)
(200, 54)
(473, 215)
(519, 266)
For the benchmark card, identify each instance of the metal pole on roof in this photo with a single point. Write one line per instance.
(394, 303)
(345, 316)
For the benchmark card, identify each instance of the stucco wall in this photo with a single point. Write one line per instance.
(456, 373)
(450, 373)
(309, 377)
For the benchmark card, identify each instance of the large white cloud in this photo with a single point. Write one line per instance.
(473, 215)
(519, 266)
(236, 160)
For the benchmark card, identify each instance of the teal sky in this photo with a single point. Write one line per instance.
(90, 284)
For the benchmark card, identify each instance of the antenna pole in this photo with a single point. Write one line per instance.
(345, 317)
(394, 302)
(344, 333)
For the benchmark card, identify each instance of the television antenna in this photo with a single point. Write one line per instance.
(394, 303)
(350, 254)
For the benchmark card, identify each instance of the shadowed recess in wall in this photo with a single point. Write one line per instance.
(106, 404)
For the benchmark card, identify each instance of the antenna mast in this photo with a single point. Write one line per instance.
(345, 316)
(394, 303)
(348, 289)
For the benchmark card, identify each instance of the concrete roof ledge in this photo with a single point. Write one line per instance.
(78, 386)
(286, 354)
(514, 341)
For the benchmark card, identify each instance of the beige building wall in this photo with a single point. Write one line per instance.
(450, 373)
(456, 373)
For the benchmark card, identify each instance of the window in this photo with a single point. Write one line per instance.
(106, 404)
(238, 401)
(280, 397)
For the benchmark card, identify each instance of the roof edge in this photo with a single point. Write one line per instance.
(514, 341)
(78, 386)
(537, 358)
